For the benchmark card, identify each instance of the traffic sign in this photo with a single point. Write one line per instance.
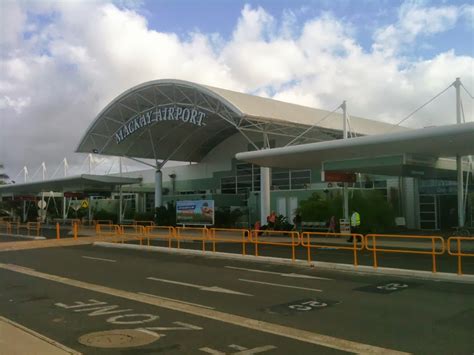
(85, 204)
(42, 204)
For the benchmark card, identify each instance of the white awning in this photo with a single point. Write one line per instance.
(443, 141)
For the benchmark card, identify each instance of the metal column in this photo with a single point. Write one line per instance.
(460, 187)
(158, 188)
(345, 207)
(264, 194)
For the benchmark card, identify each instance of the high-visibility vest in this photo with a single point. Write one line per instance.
(355, 219)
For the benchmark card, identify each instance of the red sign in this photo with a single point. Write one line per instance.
(334, 176)
(24, 198)
(78, 195)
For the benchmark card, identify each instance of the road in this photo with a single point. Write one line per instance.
(197, 305)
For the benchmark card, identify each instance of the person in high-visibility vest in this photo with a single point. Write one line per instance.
(355, 225)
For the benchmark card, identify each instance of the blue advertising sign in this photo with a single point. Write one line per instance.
(198, 212)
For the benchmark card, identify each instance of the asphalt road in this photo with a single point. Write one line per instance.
(230, 305)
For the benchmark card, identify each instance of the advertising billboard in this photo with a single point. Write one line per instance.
(198, 212)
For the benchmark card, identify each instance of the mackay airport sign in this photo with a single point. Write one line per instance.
(159, 114)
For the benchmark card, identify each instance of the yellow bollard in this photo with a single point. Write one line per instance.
(74, 230)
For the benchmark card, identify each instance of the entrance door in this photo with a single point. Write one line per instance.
(428, 212)
(448, 211)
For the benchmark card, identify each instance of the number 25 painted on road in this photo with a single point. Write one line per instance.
(392, 286)
(307, 306)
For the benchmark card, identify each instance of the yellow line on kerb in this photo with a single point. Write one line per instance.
(266, 327)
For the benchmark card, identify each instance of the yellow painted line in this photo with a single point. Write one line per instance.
(254, 324)
(16, 339)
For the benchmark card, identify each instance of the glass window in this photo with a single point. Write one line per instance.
(228, 185)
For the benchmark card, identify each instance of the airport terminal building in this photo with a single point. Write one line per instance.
(206, 128)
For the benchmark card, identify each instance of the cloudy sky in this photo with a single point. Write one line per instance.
(63, 61)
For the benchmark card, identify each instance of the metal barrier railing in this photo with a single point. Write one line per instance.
(132, 231)
(16, 227)
(160, 232)
(307, 242)
(271, 238)
(143, 223)
(191, 233)
(33, 226)
(459, 254)
(108, 230)
(433, 252)
(228, 235)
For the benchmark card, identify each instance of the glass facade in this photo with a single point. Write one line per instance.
(247, 179)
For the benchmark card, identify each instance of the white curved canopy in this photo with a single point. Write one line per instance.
(180, 120)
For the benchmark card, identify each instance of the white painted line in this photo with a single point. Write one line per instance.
(228, 318)
(100, 259)
(200, 287)
(212, 351)
(279, 285)
(299, 276)
(175, 300)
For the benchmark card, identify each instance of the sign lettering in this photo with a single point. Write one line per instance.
(159, 114)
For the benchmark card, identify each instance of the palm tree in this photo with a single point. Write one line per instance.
(3, 177)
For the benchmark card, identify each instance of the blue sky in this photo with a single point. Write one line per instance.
(364, 16)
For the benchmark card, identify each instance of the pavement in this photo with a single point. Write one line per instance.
(97, 300)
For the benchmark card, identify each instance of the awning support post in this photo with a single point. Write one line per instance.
(64, 207)
(460, 187)
(158, 188)
(264, 186)
(264, 194)
(345, 207)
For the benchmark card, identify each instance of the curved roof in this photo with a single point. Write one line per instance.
(180, 120)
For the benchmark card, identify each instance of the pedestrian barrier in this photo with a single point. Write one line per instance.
(191, 233)
(4, 227)
(229, 235)
(143, 223)
(132, 232)
(108, 231)
(433, 252)
(33, 227)
(272, 237)
(13, 228)
(307, 242)
(160, 232)
(459, 253)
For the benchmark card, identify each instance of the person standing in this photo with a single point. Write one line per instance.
(271, 220)
(332, 225)
(355, 225)
(297, 220)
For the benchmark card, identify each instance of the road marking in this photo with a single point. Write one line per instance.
(280, 285)
(100, 259)
(299, 276)
(200, 287)
(241, 350)
(175, 300)
(244, 322)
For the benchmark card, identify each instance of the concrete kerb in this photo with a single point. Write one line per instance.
(21, 236)
(361, 269)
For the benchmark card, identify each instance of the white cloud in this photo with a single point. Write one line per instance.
(55, 79)
(414, 20)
